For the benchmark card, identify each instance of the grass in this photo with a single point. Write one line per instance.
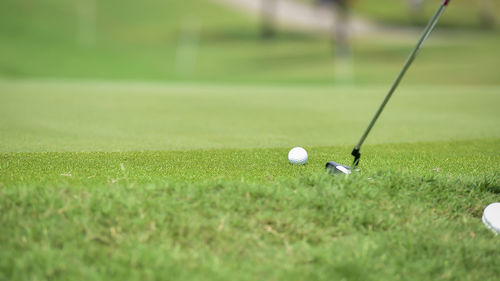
(42, 116)
(456, 159)
(247, 214)
(214, 203)
(187, 177)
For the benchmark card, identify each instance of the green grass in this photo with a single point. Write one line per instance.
(455, 159)
(73, 116)
(248, 214)
(102, 179)
(200, 188)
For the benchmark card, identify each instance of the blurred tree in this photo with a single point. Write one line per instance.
(268, 16)
(486, 14)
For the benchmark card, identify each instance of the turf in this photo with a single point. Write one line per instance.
(223, 203)
(455, 159)
(412, 214)
(76, 116)
(105, 175)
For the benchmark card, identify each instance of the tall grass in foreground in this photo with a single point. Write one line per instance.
(391, 226)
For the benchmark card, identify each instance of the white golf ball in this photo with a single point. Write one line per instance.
(298, 156)
(491, 217)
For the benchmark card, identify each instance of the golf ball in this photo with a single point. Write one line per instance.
(491, 217)
(298, 156)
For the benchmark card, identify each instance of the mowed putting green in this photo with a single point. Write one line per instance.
(39, 116)
(148, 181)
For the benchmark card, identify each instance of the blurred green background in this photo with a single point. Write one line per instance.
(211, 41)
(86, 75)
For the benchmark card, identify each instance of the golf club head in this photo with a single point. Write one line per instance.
(336, 168)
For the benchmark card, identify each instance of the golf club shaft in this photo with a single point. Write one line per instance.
(425, 35)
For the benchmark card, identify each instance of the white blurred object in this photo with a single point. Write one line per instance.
(491, 217)
(298, 156)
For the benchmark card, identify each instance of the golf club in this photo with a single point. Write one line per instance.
(341, 169)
